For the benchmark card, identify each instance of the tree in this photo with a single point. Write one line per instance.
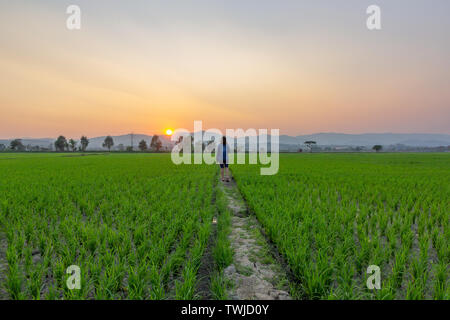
(310, 144)
(60, 143)
(2, 147)
(109, 142)
(73, 144)
(143, 145)
(84, 143)
(129, 149)
(377, 147)
(156, 143)
(17, 144)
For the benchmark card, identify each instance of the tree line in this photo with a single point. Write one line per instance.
(63, 144)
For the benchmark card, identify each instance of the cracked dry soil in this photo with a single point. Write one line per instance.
(254, 273)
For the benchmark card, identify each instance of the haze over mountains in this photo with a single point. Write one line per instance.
(370, 139)
(325, 139)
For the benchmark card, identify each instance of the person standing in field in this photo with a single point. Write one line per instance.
(222, 158)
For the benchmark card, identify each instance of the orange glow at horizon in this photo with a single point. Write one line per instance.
(150, 77)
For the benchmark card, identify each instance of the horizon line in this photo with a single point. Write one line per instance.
(162, 134)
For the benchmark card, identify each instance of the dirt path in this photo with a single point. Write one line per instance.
(254, 273)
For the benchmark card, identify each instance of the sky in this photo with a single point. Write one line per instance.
(299, 66)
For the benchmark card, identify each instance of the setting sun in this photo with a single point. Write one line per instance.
(169, 132)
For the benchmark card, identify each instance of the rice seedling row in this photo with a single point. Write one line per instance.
(333, 215)
(136, 225)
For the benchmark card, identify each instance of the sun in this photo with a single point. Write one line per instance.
(169, 132)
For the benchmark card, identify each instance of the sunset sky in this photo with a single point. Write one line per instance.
(300, 66)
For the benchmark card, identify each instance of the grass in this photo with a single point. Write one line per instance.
(222, 251)
(333, 215)
(138, 225)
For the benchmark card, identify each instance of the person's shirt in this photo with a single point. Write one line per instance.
(224, 153)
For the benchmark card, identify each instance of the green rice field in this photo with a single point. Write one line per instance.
(138, 226)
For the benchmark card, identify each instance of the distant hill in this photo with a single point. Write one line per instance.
(324, 139)
(370, 139)
(41, 142)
